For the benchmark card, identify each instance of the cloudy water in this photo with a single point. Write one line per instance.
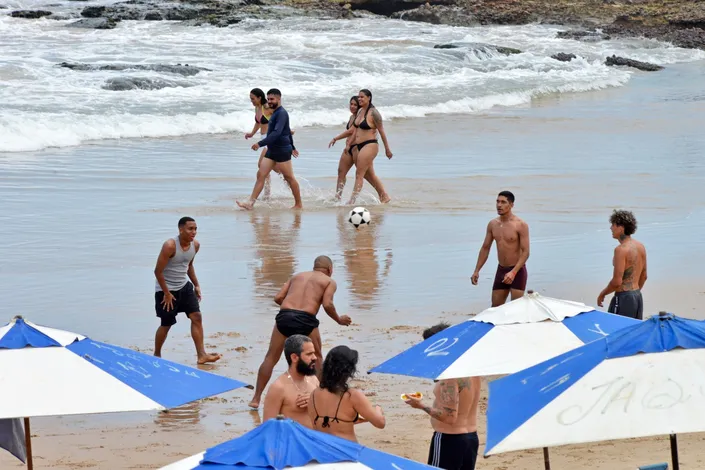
(317, 64)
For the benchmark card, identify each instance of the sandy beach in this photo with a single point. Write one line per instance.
(92, 182)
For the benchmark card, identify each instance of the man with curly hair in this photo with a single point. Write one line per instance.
(629, 274)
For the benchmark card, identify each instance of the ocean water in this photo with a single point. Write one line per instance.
(93, 181)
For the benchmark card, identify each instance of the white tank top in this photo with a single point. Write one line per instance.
(175, 272)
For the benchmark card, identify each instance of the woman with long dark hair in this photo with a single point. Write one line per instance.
(334, 407)
(262, 115)
(366, 125)
(346, 158)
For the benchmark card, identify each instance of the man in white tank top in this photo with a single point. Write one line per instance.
(175, 293)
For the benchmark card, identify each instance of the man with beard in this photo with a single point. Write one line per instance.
(289, 394)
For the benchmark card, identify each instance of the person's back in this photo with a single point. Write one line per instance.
(634, 261)
(333, 407)
(306, 292)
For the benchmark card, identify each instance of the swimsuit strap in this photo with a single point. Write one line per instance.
(335, 418)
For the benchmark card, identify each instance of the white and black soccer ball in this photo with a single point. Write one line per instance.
(359, 216)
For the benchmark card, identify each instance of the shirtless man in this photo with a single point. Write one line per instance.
(512, 237)
(300, 299)
(453, 415)
(177, 288)
(629, 273)
(289, 394)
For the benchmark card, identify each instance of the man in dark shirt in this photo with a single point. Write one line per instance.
(280, 148)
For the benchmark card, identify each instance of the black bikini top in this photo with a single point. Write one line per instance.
(363, 125)
(328, 419)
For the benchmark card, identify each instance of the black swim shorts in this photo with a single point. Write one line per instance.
(628, 304)
(185, 301)
(295, 322)
(454, 451)
(279, 156)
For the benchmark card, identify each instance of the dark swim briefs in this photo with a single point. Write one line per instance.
(295, 322)
(185, 300)
(519, 280)
(628, 304)
(279, 156)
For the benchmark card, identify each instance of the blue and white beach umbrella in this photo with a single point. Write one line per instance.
(505, 339)
(646, 380)
(49, 372)
(282, 443)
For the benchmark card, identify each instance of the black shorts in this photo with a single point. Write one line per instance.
(454, 451)
(185, 301)
(295, 322)
(628, 304)
(519, 280)
(279, 156)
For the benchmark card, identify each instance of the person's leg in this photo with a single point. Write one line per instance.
(159, 339)
(288, 173)
(315, 336)
(365, 157)
(274, 353)
(376, 183)
(197, 335)
(500, 290)
(267, 180)
(519, 284)
(262, 173)
(470, 459)
(499, 297)
(346, 162)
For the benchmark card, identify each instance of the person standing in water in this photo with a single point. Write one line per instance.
(365, 127)
(262, 115)
(629, 269)
(455, 443)
(512, 237)
(280, 148)
(175, 293)
(346, 158)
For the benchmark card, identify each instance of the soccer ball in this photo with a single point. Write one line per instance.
(359, 216)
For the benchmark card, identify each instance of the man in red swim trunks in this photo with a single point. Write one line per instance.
(512, 237)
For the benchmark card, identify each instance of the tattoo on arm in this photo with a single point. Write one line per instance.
(376, 117)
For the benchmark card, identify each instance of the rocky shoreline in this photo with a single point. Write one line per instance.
(679, 22)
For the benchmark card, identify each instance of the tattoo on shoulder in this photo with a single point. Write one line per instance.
(464, 384)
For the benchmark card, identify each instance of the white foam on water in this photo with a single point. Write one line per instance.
(317, 64)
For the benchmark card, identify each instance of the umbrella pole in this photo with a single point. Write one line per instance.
(28, 443)
(674, 452)
(546, 459)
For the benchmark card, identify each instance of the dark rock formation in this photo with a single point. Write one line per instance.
(452, 16)
(186, 70)
(153, 16)
(564, 57)
(94, 23)
(478, 47)
(583, 35)
(389, 7)
(30, 14)
(93, 12)
(645, 66)
(141, 83)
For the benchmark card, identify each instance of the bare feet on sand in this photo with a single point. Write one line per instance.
(254, 404)
(245, 205)
(385, 199)
(297, 206)
(208, 358)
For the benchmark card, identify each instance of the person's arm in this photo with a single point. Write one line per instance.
(276, 128)
(273, 401)
(347, 133)
(448, 400)
(619, 262)
(642, 278)
(192, 273)
(524, 244)
(370, 414)
(257, 127)
(281, 295)
(377, 118)
(329, 306)
(168, 251)
(484, 253)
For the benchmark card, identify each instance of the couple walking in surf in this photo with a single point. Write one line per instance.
(361, 146)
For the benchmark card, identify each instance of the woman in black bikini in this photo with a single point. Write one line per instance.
(334, 407)
(262, 115)
(346, 158)
(365, 127)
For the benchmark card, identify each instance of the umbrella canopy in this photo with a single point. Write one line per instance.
(648, 379)
(506, 339)
(282, 443)
(49, 372)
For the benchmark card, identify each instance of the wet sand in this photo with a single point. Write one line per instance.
(87, 224)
